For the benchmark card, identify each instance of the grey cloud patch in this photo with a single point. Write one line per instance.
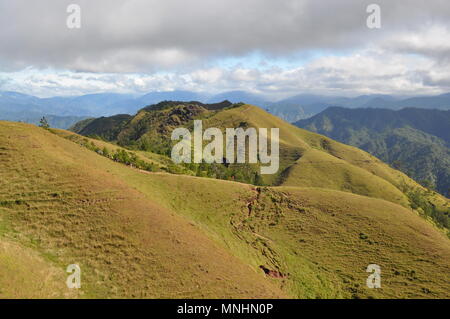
(434, 80)
(143, 35)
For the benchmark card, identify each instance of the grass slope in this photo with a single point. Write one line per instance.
(306, 158)
(26, 274)
(140, 234)
(415, 141)
(326, 163)
(62, 199)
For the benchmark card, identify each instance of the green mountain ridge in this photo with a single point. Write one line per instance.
(415, 141)
(306, 159)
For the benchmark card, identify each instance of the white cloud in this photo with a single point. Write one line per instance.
(362, 72)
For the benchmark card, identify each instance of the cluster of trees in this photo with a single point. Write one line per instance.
(162, 147)
(121, 156)
(243, 173)
(236, 172)
(129, 158)
(418, 199)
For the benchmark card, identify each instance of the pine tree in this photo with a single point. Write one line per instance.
(44, 123)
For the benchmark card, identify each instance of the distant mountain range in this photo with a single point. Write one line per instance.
(61, 110)
(305, 105)
(416, 141)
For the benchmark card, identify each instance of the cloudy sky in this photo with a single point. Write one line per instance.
(278, 48)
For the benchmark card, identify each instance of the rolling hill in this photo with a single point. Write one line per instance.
(416, 141)
(306, 159)
(308, 232)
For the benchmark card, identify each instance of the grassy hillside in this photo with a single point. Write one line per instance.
(306, 158)
(151, 234)
(26, 274)
(415, 141)
(63, 201)
(139, 159)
